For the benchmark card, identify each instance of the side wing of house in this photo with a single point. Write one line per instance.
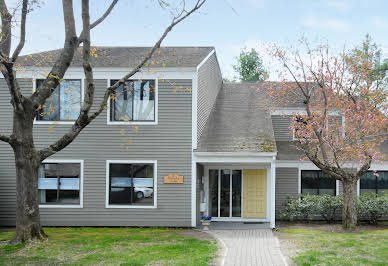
(295, 176)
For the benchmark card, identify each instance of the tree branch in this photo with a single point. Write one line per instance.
(5, 138)
(82, 122)
(5, 42)
(64, 60)
(112, 88)
(98, 21)
(22, 32)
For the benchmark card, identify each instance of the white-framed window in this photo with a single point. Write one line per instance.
(316, 182)
(131, 184)
(64, 104)
(60, 184)
(134, 103)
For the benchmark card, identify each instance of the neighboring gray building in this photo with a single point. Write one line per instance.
(175, 143)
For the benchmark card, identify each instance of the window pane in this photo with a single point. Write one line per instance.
(382, 182)
(50, 109)
(131, 184)
(327, 184)
(59, 183)
(309, 182)
(143, 101)
(121, 105)
(368, 183)
(236, 193)
(213, 190)
(225, 193)
(70, 99)
(63, 104)
(134, 102)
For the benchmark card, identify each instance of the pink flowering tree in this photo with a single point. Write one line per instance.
(343, 116)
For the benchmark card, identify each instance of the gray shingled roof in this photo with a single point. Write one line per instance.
(126, 57)
(287, 150)
(238, 122)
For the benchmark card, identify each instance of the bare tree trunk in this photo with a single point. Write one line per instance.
(27, 163)
(349, 213)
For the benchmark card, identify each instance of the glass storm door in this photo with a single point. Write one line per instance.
(225, 193)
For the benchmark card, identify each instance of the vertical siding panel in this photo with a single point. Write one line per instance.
(286, 184)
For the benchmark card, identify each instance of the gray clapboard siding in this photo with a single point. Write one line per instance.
(286, 184)
(209, 84)
(281, 127)
(169, 143)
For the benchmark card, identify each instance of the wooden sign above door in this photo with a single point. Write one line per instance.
(173, 178)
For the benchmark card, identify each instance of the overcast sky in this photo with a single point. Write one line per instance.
(228, 25)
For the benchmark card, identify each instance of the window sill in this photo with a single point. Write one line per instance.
(129, 207)
(61, 206)
(151, 123)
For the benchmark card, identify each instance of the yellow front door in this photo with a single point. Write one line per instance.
(255, 193)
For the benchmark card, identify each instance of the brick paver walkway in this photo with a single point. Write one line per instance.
(250, 247)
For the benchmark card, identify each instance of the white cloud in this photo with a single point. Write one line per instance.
(227, 57)
(380, 22)
(319, 22)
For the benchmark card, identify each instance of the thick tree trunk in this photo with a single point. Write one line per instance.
(27, 164)
(349, 212)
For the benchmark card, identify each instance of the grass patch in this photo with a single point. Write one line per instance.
(316, 247)
(114, 246)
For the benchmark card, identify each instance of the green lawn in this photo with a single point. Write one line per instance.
(316, 247)
(126, 246)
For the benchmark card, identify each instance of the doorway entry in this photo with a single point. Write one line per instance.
(235, 194)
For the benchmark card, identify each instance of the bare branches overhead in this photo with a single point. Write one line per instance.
(5, 42)
(22, 31)
(84, 118)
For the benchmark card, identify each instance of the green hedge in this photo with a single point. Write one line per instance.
(370, 207)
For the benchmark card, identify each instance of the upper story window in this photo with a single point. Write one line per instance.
(133, 101)
(64, 104)
(59, 184)
(374, 182)
(316, 182)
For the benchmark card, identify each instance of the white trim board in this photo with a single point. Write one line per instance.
(81, 185)
(155, 196)
(234, 157)
(113, 73)
(205, 59)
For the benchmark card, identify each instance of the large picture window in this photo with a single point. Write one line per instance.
(131, 184)
(59, 184)
(316, 182)
(133, 101)
(374, 183)
(64, 104)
